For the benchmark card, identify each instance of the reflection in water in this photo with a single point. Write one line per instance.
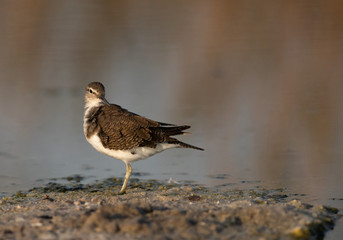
(260, 84)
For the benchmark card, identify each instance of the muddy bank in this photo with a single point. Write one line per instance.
(154, 210)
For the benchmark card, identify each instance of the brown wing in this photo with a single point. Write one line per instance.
(121, 129)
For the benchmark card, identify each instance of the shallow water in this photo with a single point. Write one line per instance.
(259, 84)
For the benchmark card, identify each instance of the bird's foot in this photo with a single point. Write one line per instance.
(122, 192)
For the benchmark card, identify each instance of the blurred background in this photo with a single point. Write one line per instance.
(259, 81)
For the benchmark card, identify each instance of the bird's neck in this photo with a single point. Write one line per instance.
(91, 106)
(89, 117)
(93, 103)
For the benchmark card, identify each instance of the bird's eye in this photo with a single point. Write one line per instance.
(90, 90)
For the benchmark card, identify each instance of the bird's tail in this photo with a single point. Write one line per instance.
(182, 144)
(186, 145)
(166, 132)
(173, 130)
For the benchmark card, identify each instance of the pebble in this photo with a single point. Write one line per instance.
(48, 228)
(48, 236)
(20, 219)
(78, 208)
(36, 224)
(186, 188)
(69, 202)
(97, 200)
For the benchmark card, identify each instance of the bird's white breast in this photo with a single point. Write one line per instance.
(130, 155)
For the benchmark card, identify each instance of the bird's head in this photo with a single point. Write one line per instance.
(95, 95)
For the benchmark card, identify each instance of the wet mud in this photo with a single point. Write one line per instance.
(157, 210)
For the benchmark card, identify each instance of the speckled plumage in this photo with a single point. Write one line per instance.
(120, 129)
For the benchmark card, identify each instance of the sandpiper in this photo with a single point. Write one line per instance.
(118, 133)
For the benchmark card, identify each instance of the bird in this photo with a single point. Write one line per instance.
(124, 135)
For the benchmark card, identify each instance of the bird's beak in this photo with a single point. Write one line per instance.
(105, 101)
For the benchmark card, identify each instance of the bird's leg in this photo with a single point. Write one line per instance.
(127, 176)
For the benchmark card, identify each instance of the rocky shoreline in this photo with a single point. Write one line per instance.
(156, 210)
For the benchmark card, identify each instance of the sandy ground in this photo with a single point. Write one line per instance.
(154, 210)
